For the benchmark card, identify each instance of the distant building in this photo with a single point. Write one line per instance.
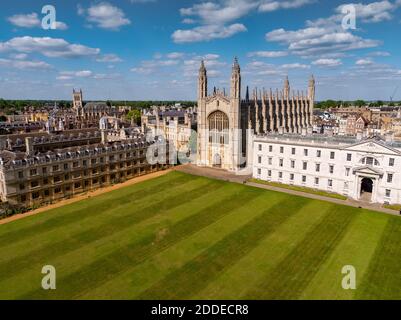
(176, 124)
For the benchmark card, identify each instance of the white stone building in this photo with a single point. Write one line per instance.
(367, 170)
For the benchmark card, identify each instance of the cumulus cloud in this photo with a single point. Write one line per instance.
(175, 55)
(373, 12)
(49, 47)
(151, 66)
(23, 64)
(31, 20)
(188, 21)
(272, 5)
(61, 25)
(68, 75)
(217, 17)
(327, 62)
(207, 33)
(325, 36)
(104, 15)
(109, 58)
(313, 41)
(364, 62)
(268, 54)
(295, 66)
(380, 54)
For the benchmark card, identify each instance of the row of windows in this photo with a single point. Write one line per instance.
(304, 178)
(366, 160)
(316, 180)
(317, 167)
(65, 166)
(76, 175)
(304, 165)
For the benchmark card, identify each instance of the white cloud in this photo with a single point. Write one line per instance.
(327, 62)
(207, 33)
(18, 56)
(61, 25)
(272, 5)
(215, 18)
(380, 53)
(49, 47)
(105, 16)
(364, 62)
(109, 58)
(30, 20)
(295, 66)
(151, 66)
(373, 12)
(220, 13)
(23, 64)
(268, 54)
(188, 21)
(325, 36)
(68, 75)
(175, 55)
(314, 41)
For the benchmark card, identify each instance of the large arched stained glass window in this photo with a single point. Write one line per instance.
(218, 127)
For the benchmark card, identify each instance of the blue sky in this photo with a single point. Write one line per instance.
(151, 49)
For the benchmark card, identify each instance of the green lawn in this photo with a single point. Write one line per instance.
(301, 189)
(185, 237)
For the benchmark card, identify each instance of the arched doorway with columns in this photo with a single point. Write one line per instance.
(367, 183)
(366, 189)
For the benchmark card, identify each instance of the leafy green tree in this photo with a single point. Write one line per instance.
(360, 103)
(134, 114)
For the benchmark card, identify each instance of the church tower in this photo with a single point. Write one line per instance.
(77, 103)
(202, 134)
(286, 88)
(311, 98)
(202, 82)
(311, 88)
(235, 116)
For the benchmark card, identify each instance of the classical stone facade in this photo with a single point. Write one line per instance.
(226, 123)
(367, 169)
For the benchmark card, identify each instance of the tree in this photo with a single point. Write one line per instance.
(360, 103)
(134, 114)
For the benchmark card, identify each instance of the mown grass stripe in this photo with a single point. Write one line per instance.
(94, 207)
(131, 283)
(69, 230)
(253, 267)
(132, 254)
(383, 279)
(356, 248)
(293, 274)
(70, 262)
(130, 218)
(197, 273)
